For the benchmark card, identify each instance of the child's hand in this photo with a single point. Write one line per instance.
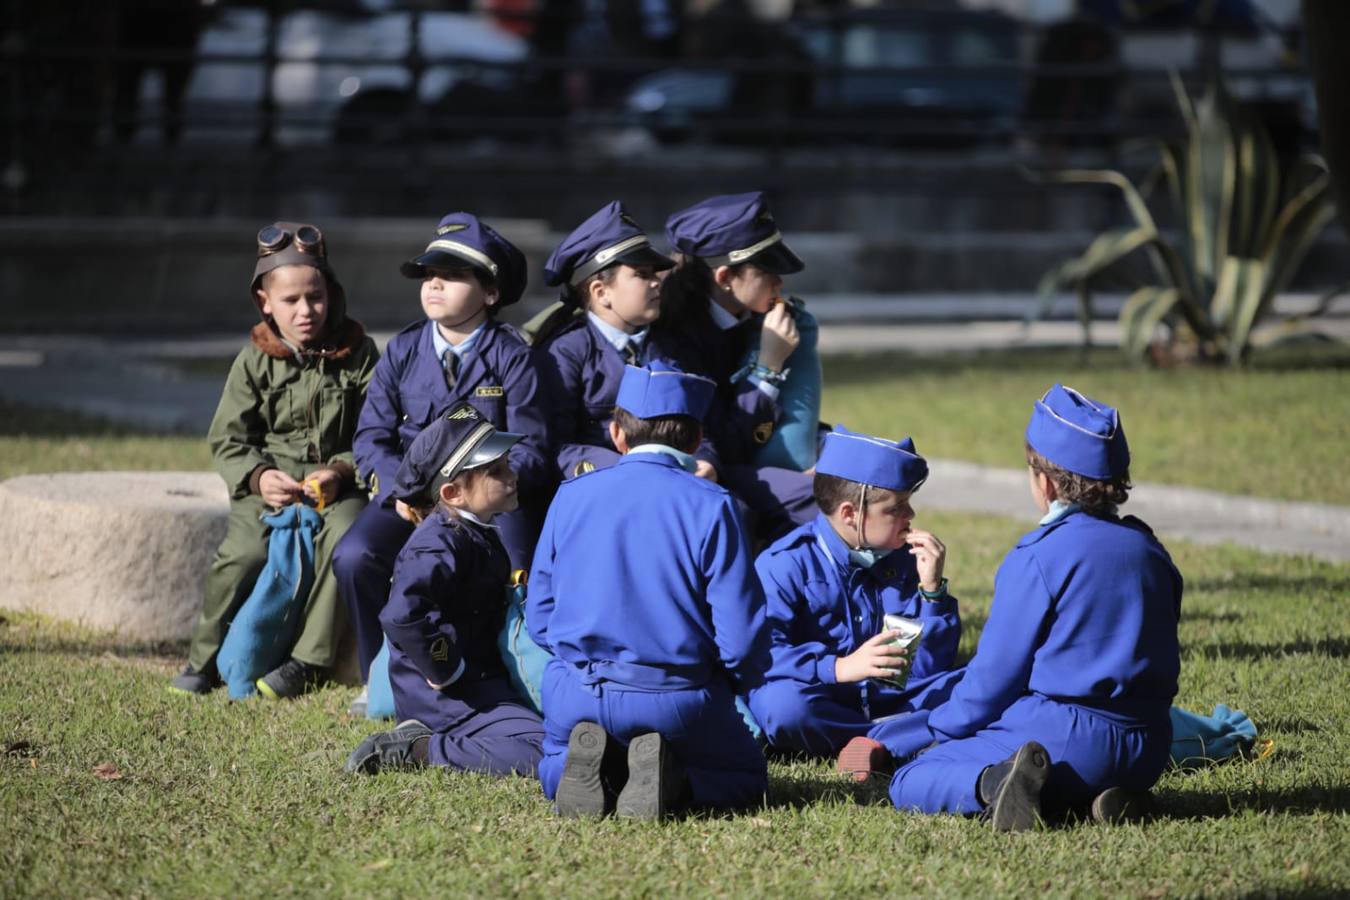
(329, 482)
(278, 489)
(413, 514)
(880, 657)
(705, 469)
(930, 555)
(778, 338)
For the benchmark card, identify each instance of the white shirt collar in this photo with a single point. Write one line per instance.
(617, 337)
(721, 318)
(441, 345)
(465, 514)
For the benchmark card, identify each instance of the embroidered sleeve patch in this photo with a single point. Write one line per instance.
(440, 649)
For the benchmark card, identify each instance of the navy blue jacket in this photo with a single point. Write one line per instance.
(1085, 612)
(741, 417)
(580, 372)
(821, 606)
(642, 577)
(408, 391)
(447, 604)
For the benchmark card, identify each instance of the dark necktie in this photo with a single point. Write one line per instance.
(450, 362)
(631, 355)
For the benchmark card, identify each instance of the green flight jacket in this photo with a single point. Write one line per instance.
(288, 414)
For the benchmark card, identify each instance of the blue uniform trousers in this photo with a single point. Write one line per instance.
(725, 766)
(819, 719)
(1089, 750)
(477, 727)
(364, 562)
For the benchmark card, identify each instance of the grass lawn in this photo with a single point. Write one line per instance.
(246, 799)
(1278, 430)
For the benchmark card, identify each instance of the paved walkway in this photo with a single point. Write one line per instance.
(137, 382)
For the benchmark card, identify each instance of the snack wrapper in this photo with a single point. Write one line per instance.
(910, 632)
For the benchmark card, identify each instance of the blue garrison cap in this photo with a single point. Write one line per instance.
(730, 230)
(607, 238)
(1078, 434)
(459, 440)
(895, 466)
(661, 389)
(462, 239)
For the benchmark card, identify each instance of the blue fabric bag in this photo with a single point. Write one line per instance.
(793, 443)
(1199, 740)
(379, 689)
(264, 630)
(525, 660)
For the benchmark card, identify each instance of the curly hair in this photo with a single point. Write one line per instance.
(681, 432)
(1097, 498)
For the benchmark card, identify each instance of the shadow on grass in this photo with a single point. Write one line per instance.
(1211, 618)
(1195, 805)
(1288, 726)
(20, 633)
(1338, 647)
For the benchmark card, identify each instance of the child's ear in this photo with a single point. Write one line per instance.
(492, 298)
(451, 495)
(617, 437)
(263, 302)
(595, 290)
(722, 276)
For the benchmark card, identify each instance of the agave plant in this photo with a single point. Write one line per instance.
(1245, 227)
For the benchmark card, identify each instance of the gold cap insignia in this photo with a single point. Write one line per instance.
(452, 227)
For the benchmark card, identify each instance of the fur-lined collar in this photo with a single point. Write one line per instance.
(349, 337)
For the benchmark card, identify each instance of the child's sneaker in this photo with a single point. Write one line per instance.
(581, 792)
(390, 750)
(862, 758)
(290, 679)
(360, 704)
(1116, 806)
(1011, 790)
(190, 681)
(656, 785)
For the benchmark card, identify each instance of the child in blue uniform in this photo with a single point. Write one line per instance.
(828, 585)
(446, 605)
(722, 297)
(608, 269)
(460, 353)
(642, 591)
(1067, 696)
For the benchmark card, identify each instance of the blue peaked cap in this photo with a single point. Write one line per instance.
(460, 439)
(893, 465)
(732, 229)
(607, 238)
(1078, 434)
(462, 239)
(661, 389)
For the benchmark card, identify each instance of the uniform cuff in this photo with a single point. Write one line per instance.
(825, 669)
(344, 470)
(255, 477)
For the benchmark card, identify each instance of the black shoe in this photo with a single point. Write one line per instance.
(389, 750)
(1011, 790)
(582, 790)
(656, 785)
(1117, 805)
(190, 681)
(290, 679)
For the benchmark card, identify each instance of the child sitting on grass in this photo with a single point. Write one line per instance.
(830, 583)
(282, 434)
(1066, 700)
(447, 602)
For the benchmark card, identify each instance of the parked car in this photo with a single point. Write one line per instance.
(878, 75)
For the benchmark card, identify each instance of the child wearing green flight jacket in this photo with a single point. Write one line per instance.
(282, 434)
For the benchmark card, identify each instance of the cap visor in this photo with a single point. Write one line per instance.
(778, 259)
(647, 255)
(494, 447)
(437, 259)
